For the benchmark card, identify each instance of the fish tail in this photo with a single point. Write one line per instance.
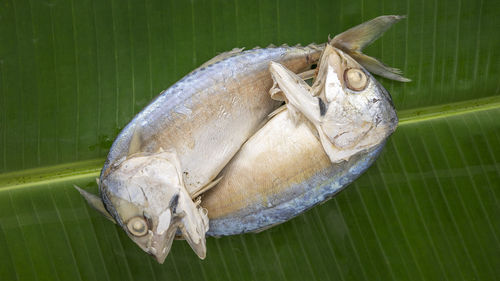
(353, 40)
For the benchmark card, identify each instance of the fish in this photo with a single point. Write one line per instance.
(321, 141)
(174, 148)
(172, 152)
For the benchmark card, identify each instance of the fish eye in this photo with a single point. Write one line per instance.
(137, 226)
(355, 79)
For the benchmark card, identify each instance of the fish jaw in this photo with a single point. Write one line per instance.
(145, 194)
(194, 233)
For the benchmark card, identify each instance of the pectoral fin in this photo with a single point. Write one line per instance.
(296, 92)
(95, 202)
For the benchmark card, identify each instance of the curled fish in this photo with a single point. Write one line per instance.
(174, 149)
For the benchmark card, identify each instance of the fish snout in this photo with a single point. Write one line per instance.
(161, 239)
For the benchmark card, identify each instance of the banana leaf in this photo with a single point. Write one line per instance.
(73, 73)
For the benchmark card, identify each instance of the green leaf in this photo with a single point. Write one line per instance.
(73, 73)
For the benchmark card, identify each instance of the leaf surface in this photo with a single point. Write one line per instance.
(73, 73)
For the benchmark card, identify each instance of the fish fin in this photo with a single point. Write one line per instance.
(222, 56)
(95, 202)
(206, 187)
(135, 142)
(377, 67)
(297, 93)
(358, 37)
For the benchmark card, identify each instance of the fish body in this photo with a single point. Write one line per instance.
(328, 134)
(284, 169)
(176, 146)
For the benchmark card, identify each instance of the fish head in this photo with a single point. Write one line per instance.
(357, 111)
(146, 196)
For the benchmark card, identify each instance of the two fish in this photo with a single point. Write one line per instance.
(205, 157)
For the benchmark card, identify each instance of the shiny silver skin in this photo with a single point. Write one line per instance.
(305, 154)
(180, 142)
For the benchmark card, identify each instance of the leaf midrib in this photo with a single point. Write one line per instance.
(91, 168)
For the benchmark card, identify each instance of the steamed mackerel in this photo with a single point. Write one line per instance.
(174, 148)
(327, 135)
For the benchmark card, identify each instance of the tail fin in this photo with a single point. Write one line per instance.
(356, 38)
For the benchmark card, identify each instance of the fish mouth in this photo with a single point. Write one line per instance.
(160, 247)
(159, 244)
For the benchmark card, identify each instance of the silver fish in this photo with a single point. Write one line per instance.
(175, 147)
(173, 150)
(327, 136)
